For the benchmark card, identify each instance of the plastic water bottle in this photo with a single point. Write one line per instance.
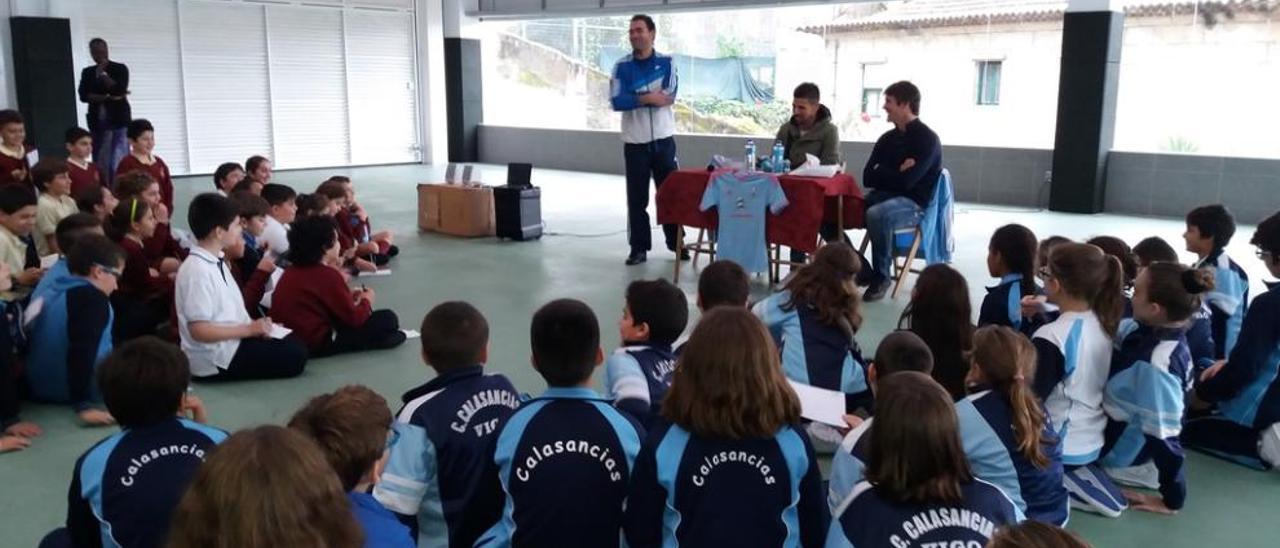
(751, 155)
(775, 159)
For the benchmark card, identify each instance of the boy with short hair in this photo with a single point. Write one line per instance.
(226, 177)
(68, 232)
(360, 257)
(282, 210)
(142, 141)
(253, 215)
(638, 374)
(354, 221)
(96, 200)
(125, 487)
(351, 426)
(80, 167)
(446, 427)
(54, 204)
(18, 212)
(70, 329)
(723, 283)
(220, 339)
(1209, 230)
(565, 458)
(15, 153)
(1246, 387)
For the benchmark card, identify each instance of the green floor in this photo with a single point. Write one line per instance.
(582, 257)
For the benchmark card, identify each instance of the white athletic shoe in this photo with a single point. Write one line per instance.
(1269, 445)
(1144, 476)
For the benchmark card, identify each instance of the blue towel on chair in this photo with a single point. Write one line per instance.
(935, 225)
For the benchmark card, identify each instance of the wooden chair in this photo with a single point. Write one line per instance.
(903, 239)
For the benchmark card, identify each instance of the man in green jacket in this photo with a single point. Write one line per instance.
(810, 131)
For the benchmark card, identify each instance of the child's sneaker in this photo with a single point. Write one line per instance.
(1143, 475)
(1269, 445)
(1092, 491)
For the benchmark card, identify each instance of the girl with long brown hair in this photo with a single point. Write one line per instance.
(916, 472)
(265, 488)
(940, 313)
(813, 320)
(1029, 464)
(1073, 359)
(730, 467)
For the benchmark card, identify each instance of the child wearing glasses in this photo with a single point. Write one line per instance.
(1245, 426)
(352, 427)
(70, 329)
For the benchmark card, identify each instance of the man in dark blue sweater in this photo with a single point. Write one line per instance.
(902, 172)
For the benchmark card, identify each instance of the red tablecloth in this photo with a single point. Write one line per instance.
(812, 200)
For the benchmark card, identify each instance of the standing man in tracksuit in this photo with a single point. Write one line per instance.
(643, 88)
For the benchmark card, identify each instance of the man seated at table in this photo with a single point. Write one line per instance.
(902, 172)
(810, 131)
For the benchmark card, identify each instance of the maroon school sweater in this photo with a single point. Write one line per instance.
(311, 299)
(158, 171)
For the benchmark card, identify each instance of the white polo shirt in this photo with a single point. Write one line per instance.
(206, 291)
(276, 236)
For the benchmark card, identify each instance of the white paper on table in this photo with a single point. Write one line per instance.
(411, 333)
(820, 405)
(279, 331)
(813, 167)
(48, 261)
(382, 272)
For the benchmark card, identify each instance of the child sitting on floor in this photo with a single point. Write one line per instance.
(313, 300)
(352, 426)
(55, 202)
(1011, 257)
(1209, 230)
(638, 373)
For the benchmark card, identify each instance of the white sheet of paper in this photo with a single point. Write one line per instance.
(33, 157)
(382, 272)
(49, 260)
(411, 333)
(820, 405)
(279, 331)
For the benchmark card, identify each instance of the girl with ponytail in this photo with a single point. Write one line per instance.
(1011, 257)
(1073, 358)
(1149, 378)
(145, 295)
(1002, 364)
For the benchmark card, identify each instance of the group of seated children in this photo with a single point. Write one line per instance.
(208, 289)
(470, 462)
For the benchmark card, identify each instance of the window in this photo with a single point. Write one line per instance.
(988, 86)
(871, 101)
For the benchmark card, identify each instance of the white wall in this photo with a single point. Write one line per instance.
(311, 83)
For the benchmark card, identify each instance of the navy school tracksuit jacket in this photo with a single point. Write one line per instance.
(637, 377)
(125, 488)
(756, 492)
(559, 473)
(445, 427)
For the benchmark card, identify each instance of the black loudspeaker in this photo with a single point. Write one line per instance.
(518, 212)
(1087, 87)
(44, 76)
(464, 99)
